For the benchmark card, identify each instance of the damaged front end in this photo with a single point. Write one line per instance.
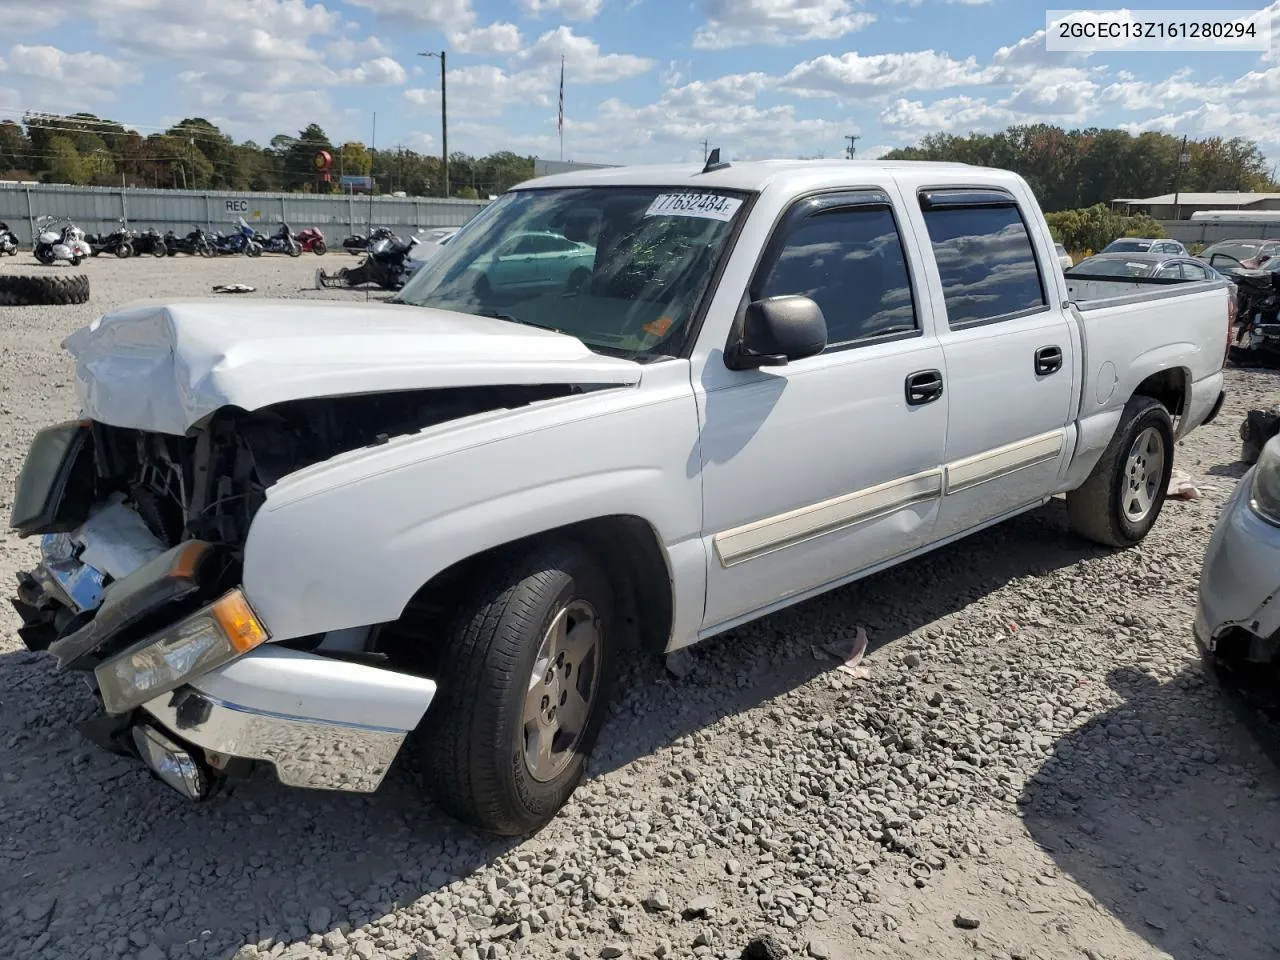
(139, 588)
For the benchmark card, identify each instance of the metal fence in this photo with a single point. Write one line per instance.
(98, 209)
(1211, 231)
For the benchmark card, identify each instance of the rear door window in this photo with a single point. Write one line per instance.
(985, 260)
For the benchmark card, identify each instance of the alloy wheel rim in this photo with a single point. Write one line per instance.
(562, 690)
(1144, 469)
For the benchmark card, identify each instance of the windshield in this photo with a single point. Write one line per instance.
(620, 268)
(1112, 268)
(1127, 246)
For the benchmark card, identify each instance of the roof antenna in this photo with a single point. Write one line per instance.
(714, 163)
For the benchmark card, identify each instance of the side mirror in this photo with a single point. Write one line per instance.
(777, 330)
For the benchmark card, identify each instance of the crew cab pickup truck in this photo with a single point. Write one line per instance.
(298, 532)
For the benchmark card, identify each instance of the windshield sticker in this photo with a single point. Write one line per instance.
(706, 206)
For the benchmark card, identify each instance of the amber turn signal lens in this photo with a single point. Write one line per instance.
(237, 620)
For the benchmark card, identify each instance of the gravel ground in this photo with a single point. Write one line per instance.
(1031, 762)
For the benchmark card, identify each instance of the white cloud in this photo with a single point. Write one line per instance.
(50, 63)
(345, 48)
(484, 89)
(20, 17)
(569, 9)
(853, 76)
(269, 30)
(495, 38)
(734, 23)
(443, 14)
(584, 63)
(949, 114)
(1214, 119)
(383, 71)
(421, 142)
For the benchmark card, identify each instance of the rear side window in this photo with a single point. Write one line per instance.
(986, 262)
(850, 262)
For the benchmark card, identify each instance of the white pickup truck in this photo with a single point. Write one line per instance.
(297, 532)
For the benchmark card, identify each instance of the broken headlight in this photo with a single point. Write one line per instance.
(1264, 498)
(165, 660)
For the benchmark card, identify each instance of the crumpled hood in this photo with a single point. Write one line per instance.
(166, 366)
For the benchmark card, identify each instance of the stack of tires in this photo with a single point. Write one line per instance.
(17, 290)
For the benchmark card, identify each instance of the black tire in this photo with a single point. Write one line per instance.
(294, 249)
(206, 250)
(124, 251)
(75, 261)
(159, 250)
(23, 291)
(319, 248)
(474, 735)
(1096, 509)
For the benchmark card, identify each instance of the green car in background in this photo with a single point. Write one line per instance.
(533, 261)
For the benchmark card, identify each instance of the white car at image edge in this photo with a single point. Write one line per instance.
(1238, 614)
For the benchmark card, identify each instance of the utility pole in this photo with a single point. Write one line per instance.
(705, 145)
(444, 119)
(1183, 158)
(851, 149)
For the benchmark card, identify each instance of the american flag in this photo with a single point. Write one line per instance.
(560, 118)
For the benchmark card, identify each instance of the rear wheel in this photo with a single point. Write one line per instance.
(523, 690)
(1124, 494)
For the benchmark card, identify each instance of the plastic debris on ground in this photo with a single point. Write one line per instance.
(233, 288)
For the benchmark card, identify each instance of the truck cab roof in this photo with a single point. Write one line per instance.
(755, 175)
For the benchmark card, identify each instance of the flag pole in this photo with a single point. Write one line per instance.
(560, 119)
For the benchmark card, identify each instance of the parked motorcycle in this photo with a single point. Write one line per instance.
(282, 241)
(312, 241)
(194, 244)
(242, 241)
(58, 239)
(8, 240)
(386, 264)
(119, 242)
(149, 241)
(360, 243)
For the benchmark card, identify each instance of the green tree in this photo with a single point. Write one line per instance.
(65, 165)
(15, 148)
(354, 159)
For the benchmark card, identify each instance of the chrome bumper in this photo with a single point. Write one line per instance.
(321, 723)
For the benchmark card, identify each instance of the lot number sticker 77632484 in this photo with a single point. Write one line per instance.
(706, 206)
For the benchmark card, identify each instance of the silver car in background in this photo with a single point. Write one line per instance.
(1238, 614)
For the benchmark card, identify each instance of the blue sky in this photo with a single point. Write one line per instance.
(646, 80)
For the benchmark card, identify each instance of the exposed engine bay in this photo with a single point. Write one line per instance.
(109, 500)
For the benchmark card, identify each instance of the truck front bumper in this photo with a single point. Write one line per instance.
(321, 723)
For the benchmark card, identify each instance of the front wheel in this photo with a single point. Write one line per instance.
(524, 687)
(124, 251)
(319, 248)
(206, 250)
(252, 249)
(295, 249)
(159, 250)
(1124, 494)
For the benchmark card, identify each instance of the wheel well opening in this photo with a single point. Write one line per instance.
(627, 547)
(1167, 386)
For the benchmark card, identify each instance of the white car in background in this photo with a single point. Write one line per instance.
(429, 244)
(1064, 258)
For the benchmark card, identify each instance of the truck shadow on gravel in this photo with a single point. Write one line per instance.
(1164, 810)
(91, 837)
